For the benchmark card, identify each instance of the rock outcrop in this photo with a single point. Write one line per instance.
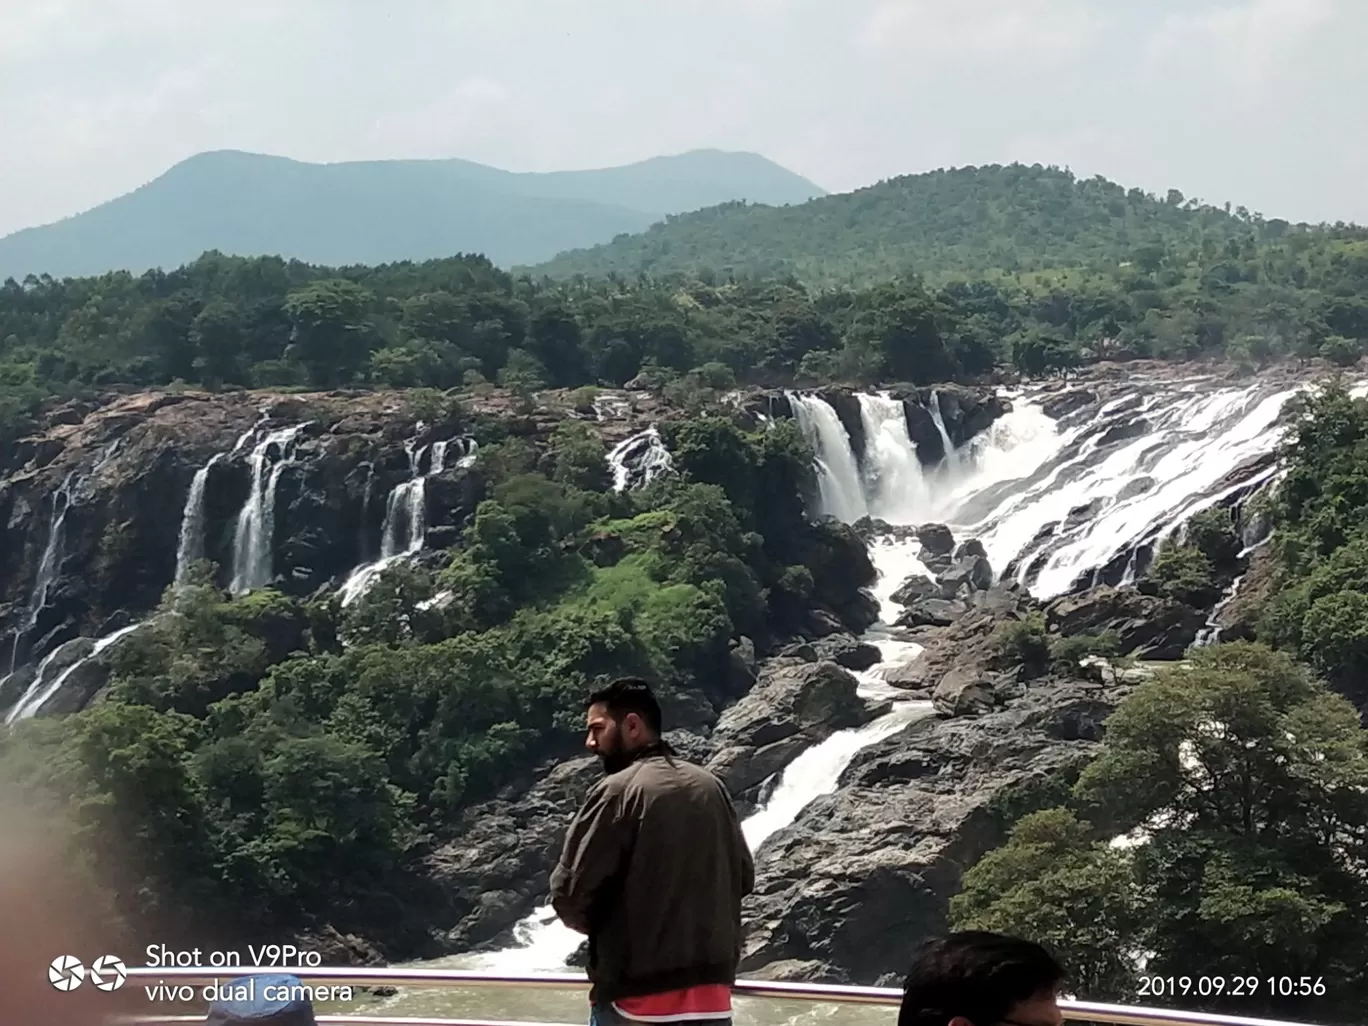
(794, 704)
(1147, 626)
(881, 857)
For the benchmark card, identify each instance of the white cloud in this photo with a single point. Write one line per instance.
(951, 30)
(1246, 43)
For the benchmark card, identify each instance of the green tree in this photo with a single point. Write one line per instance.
(329, 334)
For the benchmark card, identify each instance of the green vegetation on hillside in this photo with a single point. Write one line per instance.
(266, 763)
(374, 211)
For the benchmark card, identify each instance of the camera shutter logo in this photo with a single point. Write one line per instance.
(66, 972)
(108, 973)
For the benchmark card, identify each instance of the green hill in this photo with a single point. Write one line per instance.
(383, 211)
(966, 221)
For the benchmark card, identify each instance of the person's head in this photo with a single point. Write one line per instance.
(981, 979)
(621, 719)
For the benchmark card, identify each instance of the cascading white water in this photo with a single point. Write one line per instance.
(639, 460)
(191, 547)
(38, 694)
(253, 543)
(840, 493)
(405, 528)
(1133, 490)
(896, 485)
(951, 463)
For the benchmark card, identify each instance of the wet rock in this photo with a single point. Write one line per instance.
(921, 429)
(936, 540)
(847, 651)
(972, 573)
(1124, 431)
(917, 586)
(882, 856)
(1080, 515)
(1147, 626)
(972, 547)
(847, 407)
(1135, 486)
(932, 612)
(1068, 402)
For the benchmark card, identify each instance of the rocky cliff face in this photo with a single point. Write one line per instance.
(96, 515)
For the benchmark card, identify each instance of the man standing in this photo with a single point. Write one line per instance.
(654, 870)
(977, 978)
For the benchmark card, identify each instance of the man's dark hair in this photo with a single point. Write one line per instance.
(977, 975)
(629, 695)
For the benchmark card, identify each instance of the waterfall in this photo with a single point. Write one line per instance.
(839, 490)
(253, 543)
(639, 460)
(897, 488)
(38, 695)
(405, 529)
(951, 463)
(191, 548)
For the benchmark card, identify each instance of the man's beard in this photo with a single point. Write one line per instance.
(616, 760)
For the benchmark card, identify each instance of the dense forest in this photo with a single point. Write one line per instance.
(1242, 777)
(991, 222)
(269, 763)
(1018, 268)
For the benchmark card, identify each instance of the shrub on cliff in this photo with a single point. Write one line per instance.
(1184, 574)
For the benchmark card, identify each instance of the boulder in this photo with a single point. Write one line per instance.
(932, 612)
(1148, 626)
(936, 540)
(972, 573)
(972, 547)
(917, 586)
(964, 692)
(847, 651)
(792, 697)
(967, 643)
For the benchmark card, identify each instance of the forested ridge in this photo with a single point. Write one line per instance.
(980, 269)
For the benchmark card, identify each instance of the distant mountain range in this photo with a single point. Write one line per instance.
(385, 211)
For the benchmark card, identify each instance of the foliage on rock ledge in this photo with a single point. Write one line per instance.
(270, 762)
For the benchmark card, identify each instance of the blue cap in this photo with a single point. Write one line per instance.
(244, 1001)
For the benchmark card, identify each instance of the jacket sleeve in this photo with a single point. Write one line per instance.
(743, 852)
(596, 848)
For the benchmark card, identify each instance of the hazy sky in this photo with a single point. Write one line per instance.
(1260, 102)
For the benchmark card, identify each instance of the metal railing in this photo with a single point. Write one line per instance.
(812, 993)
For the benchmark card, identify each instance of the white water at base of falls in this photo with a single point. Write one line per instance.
(253, 543)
